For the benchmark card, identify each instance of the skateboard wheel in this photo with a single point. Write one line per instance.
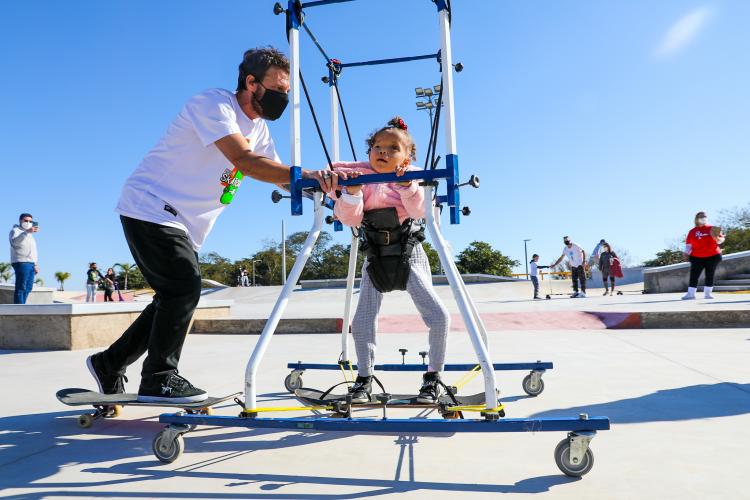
(452, 415)
(168, 450)
(116, 410)
(85, 420)
(292, 384)
(562, 459)
(532, 391)
(207, 411)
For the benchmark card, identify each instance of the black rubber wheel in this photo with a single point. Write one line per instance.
(530, 390)
(562, 459)
(292, 386)
(167, 451)
(548, 297)
(85, 420)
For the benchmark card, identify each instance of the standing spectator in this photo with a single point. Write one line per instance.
(23, 256)
(577, 259)
(93, 277)
(609, 265)
(703, 252)
(245, 279)
(594, 257)
(534, 274)
(109, 285)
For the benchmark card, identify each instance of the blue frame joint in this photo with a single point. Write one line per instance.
(441, 5)
(338, 226)
(454, 199)
(293, 15)
(295, 188)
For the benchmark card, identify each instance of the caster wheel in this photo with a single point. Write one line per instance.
(532, 391)
(452, 415)
(85, 421)
(562, 459)
(168, 450)
(292, 386)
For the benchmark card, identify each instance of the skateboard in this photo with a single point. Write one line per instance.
(340, 405)
(110, 405)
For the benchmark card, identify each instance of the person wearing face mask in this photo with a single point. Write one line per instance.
(170, 203)
(23, 256)
(577, 259)
(703, 252)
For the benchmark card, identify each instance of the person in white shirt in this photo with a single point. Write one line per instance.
(534, 274)
(23, 256)
(577, 259)
(170, 203)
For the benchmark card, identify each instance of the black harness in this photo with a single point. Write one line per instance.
(388, 246)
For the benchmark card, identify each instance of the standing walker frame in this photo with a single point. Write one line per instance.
(572, 455)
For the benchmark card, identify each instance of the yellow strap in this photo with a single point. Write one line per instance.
(343, 372)
(468, 377)
(475, 408)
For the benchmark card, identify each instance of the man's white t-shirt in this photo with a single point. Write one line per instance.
(574, 254)
(185, 181)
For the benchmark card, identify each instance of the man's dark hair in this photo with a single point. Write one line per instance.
(24, 215)
(535, 255)
(257, 61)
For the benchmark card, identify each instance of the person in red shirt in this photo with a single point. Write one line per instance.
(703, 252)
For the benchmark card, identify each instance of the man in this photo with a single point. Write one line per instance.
(577, 260)
(23, 256)
(170, 203)
(594, 258)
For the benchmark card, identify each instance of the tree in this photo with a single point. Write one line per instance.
(666, 257)
(480, 257)
(6, 271)
(135, 279)
(432, 257)
(736, 225)
(215, 267)
(39, 281)
(127, 269)
(61, 277)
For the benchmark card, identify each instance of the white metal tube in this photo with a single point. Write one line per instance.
(446, 59)
(347, 320)
(295, 140)
(462, 299)
(280, 306)
(334, 123)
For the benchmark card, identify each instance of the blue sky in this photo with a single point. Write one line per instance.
(590, 118)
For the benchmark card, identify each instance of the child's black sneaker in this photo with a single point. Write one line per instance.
(430, 390)
(361, 390)
(170, 389)
(107, 383)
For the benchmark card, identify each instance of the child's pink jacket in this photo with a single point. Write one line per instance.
(349, 209)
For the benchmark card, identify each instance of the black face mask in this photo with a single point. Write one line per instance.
(273, 103)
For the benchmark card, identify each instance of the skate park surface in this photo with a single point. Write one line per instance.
(678, 399)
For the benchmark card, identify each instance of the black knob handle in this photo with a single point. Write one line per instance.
(329, 219)
(383, 398)
(276, 196)
(403, 351)
(459, 67)
(277, 8)
(466, 211)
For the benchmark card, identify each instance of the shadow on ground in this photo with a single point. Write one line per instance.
(684, 403)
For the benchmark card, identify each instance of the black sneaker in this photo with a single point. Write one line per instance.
(361, 390)
(169, 389)
(107, 383)
(430, 390)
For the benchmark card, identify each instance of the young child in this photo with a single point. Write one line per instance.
(534, 274)
(384, 213)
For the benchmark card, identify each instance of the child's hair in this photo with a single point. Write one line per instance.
(535, 255)
(395, 123)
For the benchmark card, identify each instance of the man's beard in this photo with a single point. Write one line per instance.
(254, 102)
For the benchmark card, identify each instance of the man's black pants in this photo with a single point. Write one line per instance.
(170, 265)
(578, 274)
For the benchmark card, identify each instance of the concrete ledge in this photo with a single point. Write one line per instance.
(226, 326)
(79, 326)
(38, 295)
(674, 278)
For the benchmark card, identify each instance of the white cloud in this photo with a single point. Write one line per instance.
(683, 32)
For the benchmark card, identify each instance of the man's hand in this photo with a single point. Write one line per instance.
(329, 181)
(36, 269)
(33, 229)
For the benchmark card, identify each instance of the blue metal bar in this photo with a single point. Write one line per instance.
(394, 425)
(441, 5)
(454, 200)
(295, 189)
(318, 3)
(411, 175)
(539, 365)
(390, 61)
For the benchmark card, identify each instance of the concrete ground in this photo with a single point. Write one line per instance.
(679, 401)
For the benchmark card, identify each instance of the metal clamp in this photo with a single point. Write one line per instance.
(579, 443)
(535, 379)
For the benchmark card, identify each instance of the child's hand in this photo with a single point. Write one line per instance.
(353, 189)
(401, 169)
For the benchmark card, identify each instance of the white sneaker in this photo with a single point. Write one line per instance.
(687, 296)
(707, 292)
(575, 295)
(582, 295)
